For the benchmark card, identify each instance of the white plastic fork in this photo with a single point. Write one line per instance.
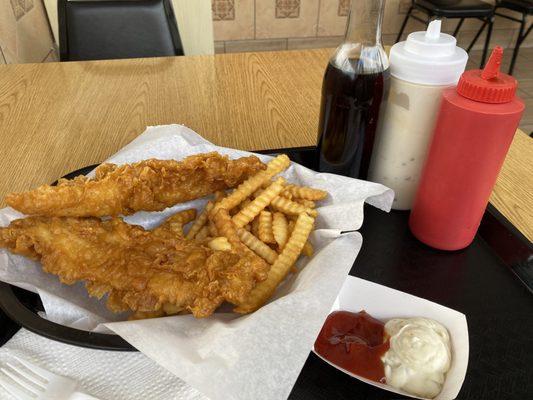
(30, 382)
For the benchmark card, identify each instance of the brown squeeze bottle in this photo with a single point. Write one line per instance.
(355, 86)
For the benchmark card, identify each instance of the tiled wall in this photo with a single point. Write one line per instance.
(254, 25)
(241, 25)
(24, 32)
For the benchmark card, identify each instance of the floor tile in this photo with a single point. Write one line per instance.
(527, 128)
(523, 94)
(523, 73)
(526, 53)
(388, 39)
(526, 85)
(527, 118)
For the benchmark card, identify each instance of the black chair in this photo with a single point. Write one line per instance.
(525, 7)
(460, 9)
(102, 29)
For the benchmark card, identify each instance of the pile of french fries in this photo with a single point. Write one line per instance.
(267, 216)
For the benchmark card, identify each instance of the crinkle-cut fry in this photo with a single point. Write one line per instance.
(290, 207)
(184, 216)
(257, 246)
(304, 192)
(280, 229)
(287, 195)
(248, 227)
(177, 228)
(220, 243)
(255, 226)
(308, 249)
(266, 184)
(202, 234)
(281, 267)
(244, 203)
(245, 189)
(219, 195)
(227, 228)
(200, 221)
(305, 203)
(258, 204)
(291, 226)
(265, 227)
(278, 164)
(213, 231)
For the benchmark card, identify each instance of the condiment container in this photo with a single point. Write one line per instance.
(475, 127)
(421, 68)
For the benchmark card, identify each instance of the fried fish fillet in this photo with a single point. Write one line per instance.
(150, 185)
(140, 270)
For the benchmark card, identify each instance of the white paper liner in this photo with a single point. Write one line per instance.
(226, 356)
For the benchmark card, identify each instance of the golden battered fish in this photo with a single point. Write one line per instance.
(149, 272)
(150, 185)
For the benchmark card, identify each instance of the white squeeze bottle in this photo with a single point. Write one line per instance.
(421, 68)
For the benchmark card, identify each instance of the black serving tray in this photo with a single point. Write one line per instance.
(491, 282)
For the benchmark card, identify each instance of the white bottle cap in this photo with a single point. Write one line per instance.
(428, 58)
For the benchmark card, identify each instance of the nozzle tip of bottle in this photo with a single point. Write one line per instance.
(433, 30)
(492, 68)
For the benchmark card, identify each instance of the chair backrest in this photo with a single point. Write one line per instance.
(111, 29)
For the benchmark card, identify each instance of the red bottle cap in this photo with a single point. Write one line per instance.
(488, 85)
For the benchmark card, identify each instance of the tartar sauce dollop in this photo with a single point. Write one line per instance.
(419, 355)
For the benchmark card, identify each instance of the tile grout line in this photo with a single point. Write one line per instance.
(285, 41)
(477, 52)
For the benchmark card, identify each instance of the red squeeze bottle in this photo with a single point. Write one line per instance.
(474, 129)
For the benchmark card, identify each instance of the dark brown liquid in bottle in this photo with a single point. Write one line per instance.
(348, 119)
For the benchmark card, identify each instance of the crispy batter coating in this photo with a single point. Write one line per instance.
(143, 271)
(150, 185)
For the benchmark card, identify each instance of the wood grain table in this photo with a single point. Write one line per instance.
(57, 117)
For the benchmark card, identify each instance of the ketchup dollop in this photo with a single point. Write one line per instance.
(355, 342)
